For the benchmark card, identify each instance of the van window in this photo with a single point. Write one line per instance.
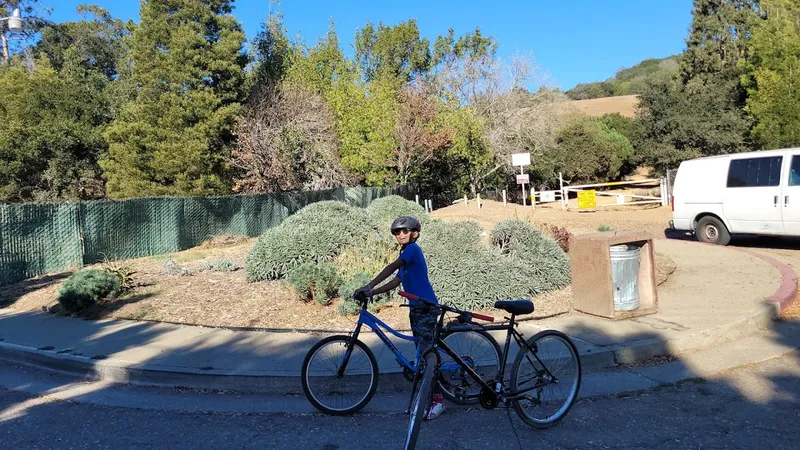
(794, 173)
(755, 172)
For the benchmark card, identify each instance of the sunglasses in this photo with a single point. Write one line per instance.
(403, 230)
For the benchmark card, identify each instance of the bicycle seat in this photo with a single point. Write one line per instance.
(515, 306)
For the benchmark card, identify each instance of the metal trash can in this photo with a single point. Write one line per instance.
(625, 276)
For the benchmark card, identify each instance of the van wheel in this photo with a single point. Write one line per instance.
(712, 231)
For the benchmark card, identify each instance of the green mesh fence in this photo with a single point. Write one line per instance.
(205, 217)
(131, 228)
(36, 239)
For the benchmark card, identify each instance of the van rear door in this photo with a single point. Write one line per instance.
(790, 199)
(752, 198)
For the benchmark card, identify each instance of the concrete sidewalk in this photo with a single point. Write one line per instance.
(716, 295)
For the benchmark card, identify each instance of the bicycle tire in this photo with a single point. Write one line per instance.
(535, 342)
(422, 398)
(462, 376)
(315, 397)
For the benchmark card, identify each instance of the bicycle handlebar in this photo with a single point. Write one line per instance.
(416, 298)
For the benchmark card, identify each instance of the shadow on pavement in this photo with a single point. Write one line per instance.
(746, 241)
(736, 413)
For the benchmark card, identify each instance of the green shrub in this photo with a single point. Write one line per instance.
(219, 265)
(385, 209)
(86, 288)
(544, 258)
(464, 233)
(347, 307)
(315, 281)
(603, 228)
(468, 274)
(376, 252)
(316, 233)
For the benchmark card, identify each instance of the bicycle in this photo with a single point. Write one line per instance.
(346, 382)
(495, 390)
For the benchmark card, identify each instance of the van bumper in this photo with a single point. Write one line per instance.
(681, 224)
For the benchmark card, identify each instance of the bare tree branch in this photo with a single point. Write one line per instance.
(287, 140)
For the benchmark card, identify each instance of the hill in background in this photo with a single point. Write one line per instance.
(626, 82)
(624, 105)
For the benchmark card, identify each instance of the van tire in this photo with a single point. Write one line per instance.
(712, 231)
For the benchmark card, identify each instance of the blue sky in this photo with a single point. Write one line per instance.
(574, 41)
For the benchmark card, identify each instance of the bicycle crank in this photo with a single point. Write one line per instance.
(489, 399)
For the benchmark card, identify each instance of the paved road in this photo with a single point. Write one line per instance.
(752, 407)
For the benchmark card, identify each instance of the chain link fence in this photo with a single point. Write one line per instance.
(36, 239)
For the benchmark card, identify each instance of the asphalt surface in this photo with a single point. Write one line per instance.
(750, 407)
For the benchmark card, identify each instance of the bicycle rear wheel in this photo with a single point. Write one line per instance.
(422, 399)
(553, 375)
(334, 394)
(480, 351)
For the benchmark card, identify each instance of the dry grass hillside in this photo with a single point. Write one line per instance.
(624, 105)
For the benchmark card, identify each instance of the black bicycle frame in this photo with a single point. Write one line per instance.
(523, 345)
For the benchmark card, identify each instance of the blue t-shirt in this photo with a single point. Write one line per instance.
(414, 273)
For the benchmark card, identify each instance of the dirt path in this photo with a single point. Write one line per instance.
(652, 219)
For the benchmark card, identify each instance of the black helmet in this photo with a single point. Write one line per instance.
(405, 223)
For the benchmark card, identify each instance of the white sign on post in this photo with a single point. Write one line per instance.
(547, 196)
(521, 159)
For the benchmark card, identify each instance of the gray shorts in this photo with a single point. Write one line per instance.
(423, 324)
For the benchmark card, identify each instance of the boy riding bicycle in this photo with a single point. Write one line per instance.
(412, 272)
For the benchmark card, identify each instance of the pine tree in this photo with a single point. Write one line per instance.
(700, 112)
(188, 69)
(719, 38)
(774, 79)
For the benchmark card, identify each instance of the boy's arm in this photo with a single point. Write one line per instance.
(387, 287)
(388, 270)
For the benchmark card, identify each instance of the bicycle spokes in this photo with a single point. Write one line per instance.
(546, 381)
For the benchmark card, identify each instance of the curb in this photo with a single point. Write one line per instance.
(785, 296)
(119, 371)
(280, 383)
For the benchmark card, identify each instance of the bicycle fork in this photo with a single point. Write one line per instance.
(349, 351)
(423, 362)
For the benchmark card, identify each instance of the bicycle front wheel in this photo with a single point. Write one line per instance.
(337, 394)
(422, 399)
(551, 376)
(480, 351)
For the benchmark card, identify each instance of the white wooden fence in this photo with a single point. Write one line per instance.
(635, 199)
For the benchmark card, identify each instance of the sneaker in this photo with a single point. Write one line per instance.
(437, 407)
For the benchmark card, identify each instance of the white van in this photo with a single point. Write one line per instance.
(750, 193)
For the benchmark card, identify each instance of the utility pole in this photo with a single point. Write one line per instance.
(12, 23)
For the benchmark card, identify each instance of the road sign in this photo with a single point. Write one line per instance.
(523, 178)
(587, 200)
(521, 159)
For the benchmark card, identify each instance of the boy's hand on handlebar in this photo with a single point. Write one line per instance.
(362, 293)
